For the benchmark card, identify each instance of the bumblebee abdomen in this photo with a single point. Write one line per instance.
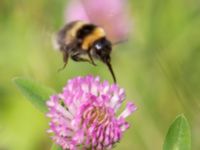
(68, 33)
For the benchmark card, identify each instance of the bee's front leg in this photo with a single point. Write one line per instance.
(91, 59)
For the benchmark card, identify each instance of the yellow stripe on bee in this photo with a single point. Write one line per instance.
(91, 38)
(71, 34)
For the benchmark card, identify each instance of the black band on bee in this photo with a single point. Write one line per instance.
(85, 30)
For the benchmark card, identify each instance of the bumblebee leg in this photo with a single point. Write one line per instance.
(65, 59)
(91, 59)
(79, 57)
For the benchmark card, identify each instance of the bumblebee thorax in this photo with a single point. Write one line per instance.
(96, 34)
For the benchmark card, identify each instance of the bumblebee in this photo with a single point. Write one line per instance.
(83, 41)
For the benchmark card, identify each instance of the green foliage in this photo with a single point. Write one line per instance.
(36, 93)
(158, 67)
(178, 136)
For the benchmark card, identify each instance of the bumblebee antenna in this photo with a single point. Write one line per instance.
(120, 41)
(111, 71)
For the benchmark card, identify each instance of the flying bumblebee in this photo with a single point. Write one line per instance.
(91, 31)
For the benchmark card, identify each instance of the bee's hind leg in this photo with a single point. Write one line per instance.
(65, 59)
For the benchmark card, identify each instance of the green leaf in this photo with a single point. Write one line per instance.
(56, 147)
(178, 136)
(35, 92)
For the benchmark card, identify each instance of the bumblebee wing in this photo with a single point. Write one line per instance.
(111, 15)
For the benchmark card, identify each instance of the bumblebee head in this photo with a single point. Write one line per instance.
(103, 48)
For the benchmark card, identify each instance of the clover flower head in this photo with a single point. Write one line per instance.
(84, 115)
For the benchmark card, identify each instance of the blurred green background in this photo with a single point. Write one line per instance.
(159, 67)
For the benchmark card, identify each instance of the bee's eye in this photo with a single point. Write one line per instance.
(98, 46)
